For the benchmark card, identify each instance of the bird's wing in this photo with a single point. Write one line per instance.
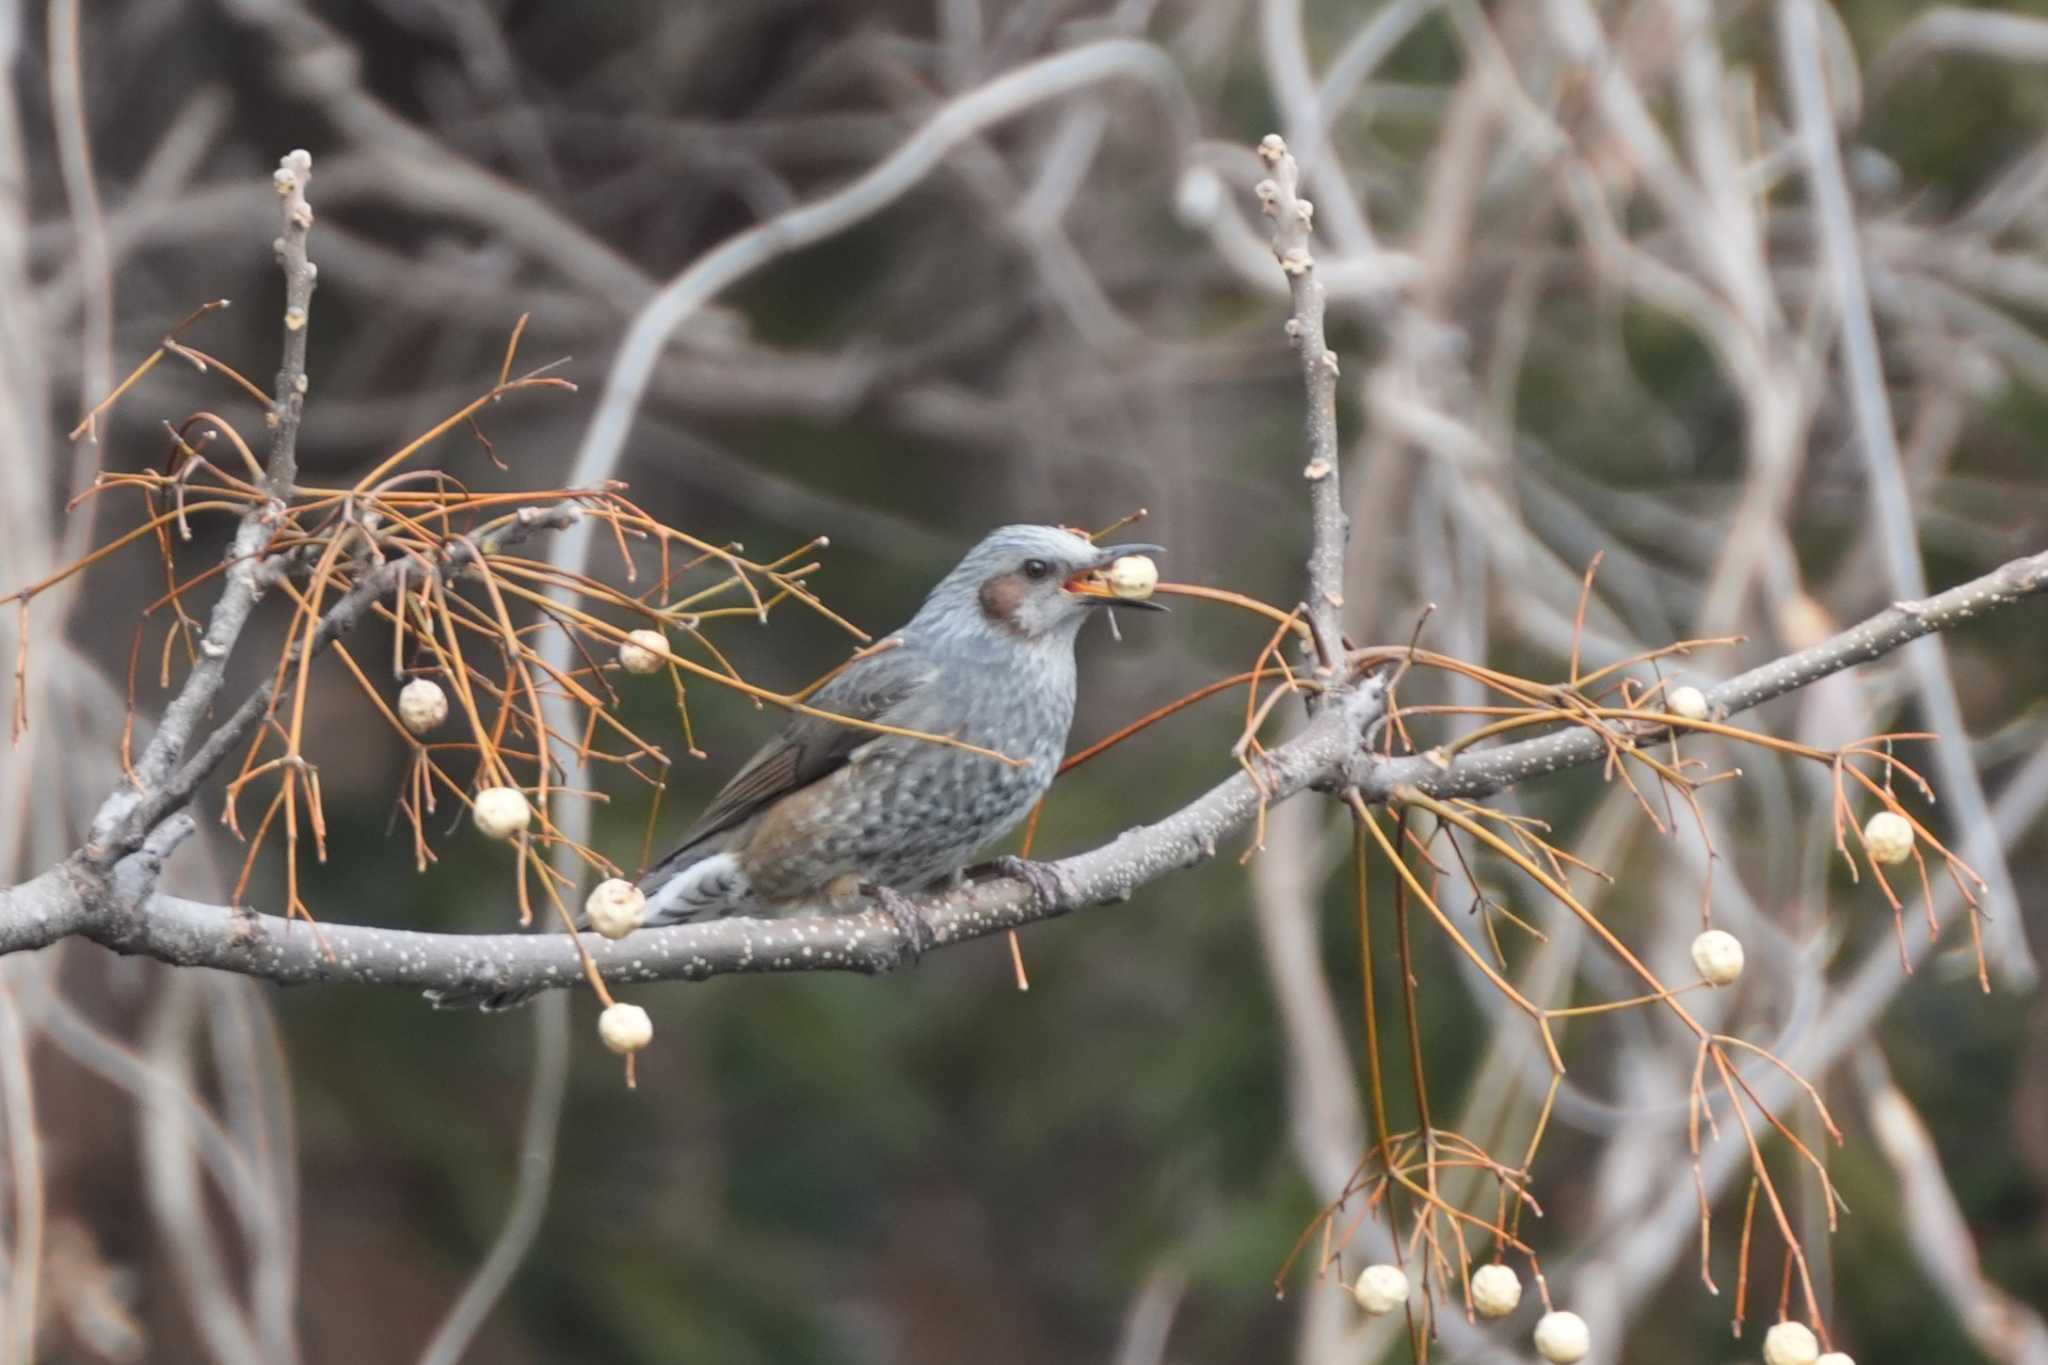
(811, 748)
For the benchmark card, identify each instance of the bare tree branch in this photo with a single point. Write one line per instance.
(1329, 527)
(1330, 750)
(245, 552)
(1486, 771)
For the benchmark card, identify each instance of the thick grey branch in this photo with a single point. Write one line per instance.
(1332, 748)
(188, 933)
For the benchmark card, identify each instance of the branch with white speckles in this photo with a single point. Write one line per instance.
(1330, 749)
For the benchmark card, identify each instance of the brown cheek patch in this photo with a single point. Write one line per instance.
(1000, 598)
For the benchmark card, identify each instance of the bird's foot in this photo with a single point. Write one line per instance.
(1040, 877)
(909, 920)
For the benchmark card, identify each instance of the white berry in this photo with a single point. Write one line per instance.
(625, 1028)
(1688, 702)
(643, 651)
(1133, 577)
(1563, 1338)
(1888, 837)
(1718, 955)
(1790, 1343)
(615, 908)
(1835, 1358)
(1496, 1289)
(1380, 1289)
(502, 812)
(422, 705)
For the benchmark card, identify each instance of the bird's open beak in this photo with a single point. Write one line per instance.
(1091, 583)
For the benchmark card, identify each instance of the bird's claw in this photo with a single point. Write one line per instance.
(1040, 877)
(909, 920)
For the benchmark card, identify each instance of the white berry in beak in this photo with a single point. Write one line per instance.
(1133, 577)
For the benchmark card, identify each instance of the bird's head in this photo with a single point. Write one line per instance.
(1026, 583)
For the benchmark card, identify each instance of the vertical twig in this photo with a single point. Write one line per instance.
(288, 403)
(243, 577)
(1329, 528)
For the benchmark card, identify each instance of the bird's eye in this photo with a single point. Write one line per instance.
(1037, 569)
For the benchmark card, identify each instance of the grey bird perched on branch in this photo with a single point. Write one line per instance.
(837, 813)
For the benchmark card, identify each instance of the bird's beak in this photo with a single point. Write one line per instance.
(1091, 584)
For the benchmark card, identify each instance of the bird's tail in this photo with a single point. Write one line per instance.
(703, 886)
(706, 886)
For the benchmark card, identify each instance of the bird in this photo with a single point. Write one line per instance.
(844, 815)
